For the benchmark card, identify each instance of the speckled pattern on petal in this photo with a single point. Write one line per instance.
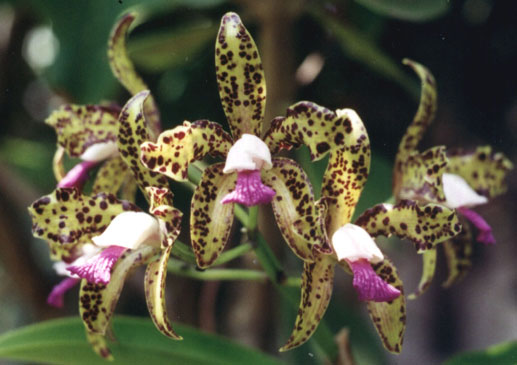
(240, 77)
(178, 147)
(111, 176)
(484, 170)
(132, 133)
(66, 218)
(458, 254)
(80, 126)
(340, 133)
(428, 269)
(425, 226)
(155, 276)
(389, 318)
(161, 208)
(124, 71)
(211, 221)
(317, 282)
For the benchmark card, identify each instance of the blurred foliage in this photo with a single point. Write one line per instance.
(500, 354)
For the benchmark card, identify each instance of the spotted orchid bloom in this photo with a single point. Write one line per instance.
(454, 178)
(99, 239)
(89, 132)
(249, 176)
(342, 135)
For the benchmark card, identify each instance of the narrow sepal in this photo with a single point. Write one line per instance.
(240, 77)
(170, 218)
(419, 176)
(125, 72)
(81, 126)
(425, 226)
(342, 133)
(155, 276)
(99, 345)
(389, 318)
(57, 163)
(424, 115)
(317, 281)
(66, 218)
(132, 133)
(178, 147)
(211, 221)
(428, 269)
(97, 301)
(484, 170)
(110, 176)
(294, 203)
(458, 254)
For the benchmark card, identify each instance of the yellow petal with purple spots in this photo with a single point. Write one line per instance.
(155, 276)
(81, 126)
(428, 269)
(97, 301)
(124, 71)
(161, 208)
(425, 226)
(484, 170)
(317, 281)
(389, 318)
(340, 133)
(458, 254)
(132, 133)
(66, 218)
(178, 147)
(294, 202)
(111, 175)
(419, 177)
(424, 115)
(99, 345)
(240, 77)
(211, 221)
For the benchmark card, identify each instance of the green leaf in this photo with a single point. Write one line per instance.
(63, 341)
(500, 354)
(411, 10)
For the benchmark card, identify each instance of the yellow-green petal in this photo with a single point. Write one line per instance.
(389, 318)
(428, 268)
(66, 218)
(458, 254)
(97, 301)
(81, 126)
(425, 226)
(424, 115)
(111, 175)
(240, 77)
(155, 276)
(341, 133)
(419, 177)
(294, 203)
(211, 221)
(484, 170)
(99, 345)
(161, 208)
(317, 281)
(178, 147)
(57, 163)
(124, 71)
(132, 133)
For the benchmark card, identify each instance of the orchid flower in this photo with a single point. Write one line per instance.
(249, 176)
(89, 132)
(454, 178)
(351, 245)
(99, 239)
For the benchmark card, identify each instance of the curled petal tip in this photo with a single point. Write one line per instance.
(249, 190)
(369, 285)
(485, 230)
(55, 298)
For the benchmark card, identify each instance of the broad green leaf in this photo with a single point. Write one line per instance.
(500, 354)
(411, 10)
(63, 341)
(362, 49)
(168, 49)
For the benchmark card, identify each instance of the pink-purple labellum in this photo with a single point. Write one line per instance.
(77, 176)
(249, 190)
(55, 298)
(369, 285)
(97, 270)
(485, 231)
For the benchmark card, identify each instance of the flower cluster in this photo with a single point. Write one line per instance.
(96, 238)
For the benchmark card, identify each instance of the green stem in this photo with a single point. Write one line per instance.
(183, 252)
(180, 268)
(233, 253)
